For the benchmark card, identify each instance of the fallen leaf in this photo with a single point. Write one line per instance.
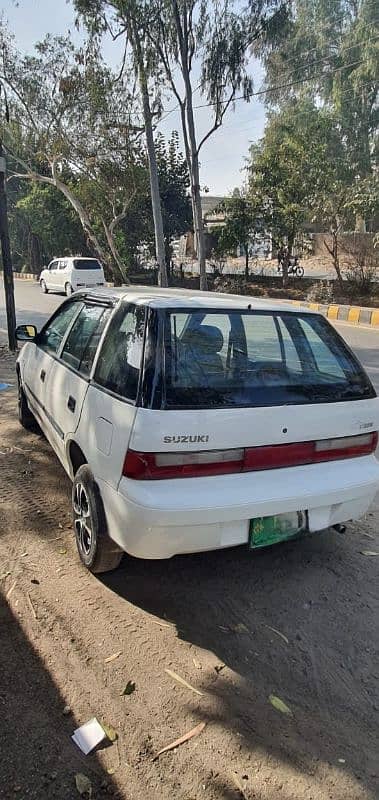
(23, 555)
(369, 553)
(277, 703)
(83, 784)
(239, 628)
(110, 732)
(183, 682)
(111, 771)
(197, 663)
(129, 688)
(278, 633)
(112, 658)
(219, 667)
(194, 732)
(62, 551)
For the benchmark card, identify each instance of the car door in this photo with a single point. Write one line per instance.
(71, 370)
(42, 352)
(51, 276)
(61, 273)
(109, 407)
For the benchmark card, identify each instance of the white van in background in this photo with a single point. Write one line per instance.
(69, 274)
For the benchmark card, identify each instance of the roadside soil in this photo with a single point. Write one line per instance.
(299, 621)
(269, 285)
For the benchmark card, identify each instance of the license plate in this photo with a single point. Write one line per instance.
(265, 531)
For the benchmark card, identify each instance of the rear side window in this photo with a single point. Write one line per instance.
(86, 263)
(82, 342)
(238, 358)
(52, 335)
(119, 363)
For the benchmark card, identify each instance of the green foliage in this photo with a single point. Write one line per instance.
(329, 51)
(42, 212)
(299, 163)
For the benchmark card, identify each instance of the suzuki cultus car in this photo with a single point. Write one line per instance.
(193, 421)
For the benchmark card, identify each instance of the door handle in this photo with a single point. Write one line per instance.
(71, 403)
(42, 375)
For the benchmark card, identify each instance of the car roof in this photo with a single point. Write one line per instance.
(156, 297)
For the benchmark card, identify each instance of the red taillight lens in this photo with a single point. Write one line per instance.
(145, 466)
(157, 466)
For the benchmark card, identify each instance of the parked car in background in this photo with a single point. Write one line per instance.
(70, 274)
(191, 421)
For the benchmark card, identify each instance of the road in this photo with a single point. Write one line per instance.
(35, 307)
(298, 622)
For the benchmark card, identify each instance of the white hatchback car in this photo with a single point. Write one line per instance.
(70, 274)
(194, 421)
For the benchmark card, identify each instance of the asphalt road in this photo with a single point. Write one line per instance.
(34, 307)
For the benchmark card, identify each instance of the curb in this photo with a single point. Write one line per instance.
(356, 315)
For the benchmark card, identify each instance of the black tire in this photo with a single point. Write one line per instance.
(25, 416)
(44, 287)
(96, 550)
(300, 271)
(68, 289)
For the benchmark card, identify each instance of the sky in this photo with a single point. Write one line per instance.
(222, 157)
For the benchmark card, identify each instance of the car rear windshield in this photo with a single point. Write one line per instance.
(238, 358)
(86, 263)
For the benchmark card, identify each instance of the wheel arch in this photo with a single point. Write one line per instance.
(76, 457)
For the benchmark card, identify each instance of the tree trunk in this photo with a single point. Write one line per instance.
(192, 153)
(109, 233)
(360, 224)
(334, 253)
(34, 253)
(153, 168)
(246, 246)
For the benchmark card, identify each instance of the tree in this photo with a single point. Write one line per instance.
(176, 36)
(174, 184)
(243, 221)
(135, 18)
(42, 225)
(71, 121)
(329, 52)
(215, 38)
(292, 186)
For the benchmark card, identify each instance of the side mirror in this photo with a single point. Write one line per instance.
(26, 333)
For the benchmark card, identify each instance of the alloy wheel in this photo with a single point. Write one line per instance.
(82, 519)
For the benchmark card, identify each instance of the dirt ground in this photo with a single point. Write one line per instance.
(214, 619)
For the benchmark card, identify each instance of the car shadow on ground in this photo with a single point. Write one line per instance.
(314, 593)
(38, 758)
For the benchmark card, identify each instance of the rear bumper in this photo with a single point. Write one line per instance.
(160, 519)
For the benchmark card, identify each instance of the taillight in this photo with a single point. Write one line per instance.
(157, 466)
(150, 466)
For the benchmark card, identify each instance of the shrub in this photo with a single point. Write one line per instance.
(321, 292)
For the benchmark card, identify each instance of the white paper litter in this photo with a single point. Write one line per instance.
(88, 735)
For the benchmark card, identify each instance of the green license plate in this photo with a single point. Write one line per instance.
(265, 531)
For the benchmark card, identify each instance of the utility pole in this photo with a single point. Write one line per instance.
(7, 258)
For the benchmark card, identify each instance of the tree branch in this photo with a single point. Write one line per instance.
(218, 120)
